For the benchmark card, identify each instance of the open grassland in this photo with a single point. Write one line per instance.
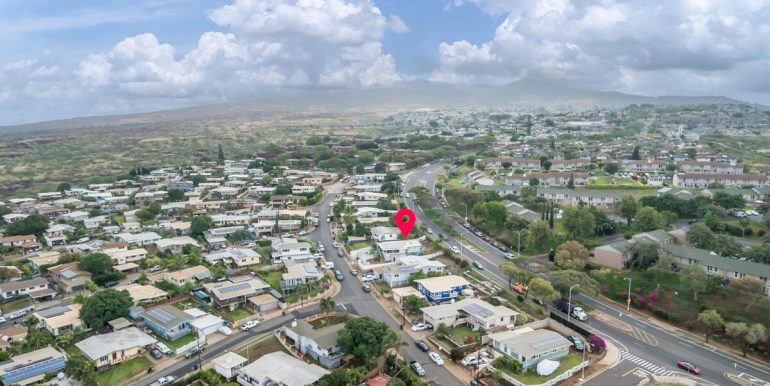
(39, 163)
(748, 149)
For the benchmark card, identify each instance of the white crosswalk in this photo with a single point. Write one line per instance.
(648, 366)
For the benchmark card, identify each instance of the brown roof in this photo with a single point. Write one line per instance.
(13, 330)
(12, 239)
(114, 244)
(69, 266)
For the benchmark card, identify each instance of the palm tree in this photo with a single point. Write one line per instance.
(327, 304)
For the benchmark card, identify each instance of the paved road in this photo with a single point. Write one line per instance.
(648, 346)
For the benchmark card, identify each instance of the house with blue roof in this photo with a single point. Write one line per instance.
(168, 321)
(442, 288)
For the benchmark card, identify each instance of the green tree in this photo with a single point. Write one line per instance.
(200, 224)
(695, 278)
(515, 273)
(571, 255)
(711, 321)
(326, 304)
(611, 168)
(700, 236)
(220, 154)
(104, 306)
(571, 182)
(711, 221)
(648, 219)
(96, 263)
(635, 154)
(641, 255)
(34, 224)
(363, 338)
(63, 186)
(729, 201)
(538, 235)
(145, 214)
(691, 152)
(543, 290)
(750, 287)
(175, 195)
(578, 222)
(745, 335)
(564, 279)
(81, 369)
(413, 303)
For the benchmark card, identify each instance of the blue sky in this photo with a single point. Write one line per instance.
(69, 58)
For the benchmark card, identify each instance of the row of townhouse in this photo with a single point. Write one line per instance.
(645, 166)
(590, 197)
(548, 179)
(709, 167)
(570, 165)
(515, 163)
(703, 180)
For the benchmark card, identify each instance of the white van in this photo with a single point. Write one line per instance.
(329, 265)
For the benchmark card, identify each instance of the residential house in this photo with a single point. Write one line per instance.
(115, 347)
(516, 163)
(476, 313)
(60, 319)
(223, 220)
(381, 234)
(279, 368)
(203, 323)
(120, 257)
(236, 291)
(191, 274)
(168, 322)
(12, 333)
(529, 346)
(140, 239)
(227, 365)
(54, 235)
(390, 250)
(144, 294)
(36, 288)
(265, 303)
(235, 257)
(32, 367)
(520, 211)
(400, 293)
(548, 179)
(284, 200)
(175, 244)
(703, 180)
(614, 254)
(645, 166)
(68, 278)
(397, 275)
(320, 344)
(299, 273)
(478, 177)
(442, 288)
(396, 167)
(288, 248)
(17, 241)
(726, 267)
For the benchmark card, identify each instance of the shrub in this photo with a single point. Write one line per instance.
(761, 232)
(464, 264)
(520, 298)
(688, 324)
(598, 342)
(733, 230)
(748, 231)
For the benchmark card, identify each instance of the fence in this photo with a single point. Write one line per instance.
(513, 381)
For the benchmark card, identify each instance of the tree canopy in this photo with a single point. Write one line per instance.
(364, 338)
(571, 255)
(104, 306)
(34, 224)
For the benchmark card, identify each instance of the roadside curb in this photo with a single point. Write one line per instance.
(611, 359)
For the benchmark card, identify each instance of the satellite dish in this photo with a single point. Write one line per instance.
(294, 323)
(452, 301)
(60, 376)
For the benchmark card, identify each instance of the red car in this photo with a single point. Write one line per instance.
(689, 367)
(517, 289)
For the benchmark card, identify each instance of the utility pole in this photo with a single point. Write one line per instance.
(569, 302)
(628, 300)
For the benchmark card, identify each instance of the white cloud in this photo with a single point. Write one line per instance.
(398, 25)
(269, 46)
(632, 45)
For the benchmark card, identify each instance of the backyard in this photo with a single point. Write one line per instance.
(124, 371)
(271, 277)
(15, 305)
(175, 344)
(531, 377)
(237, 314)
(263, 345)
(458, 333)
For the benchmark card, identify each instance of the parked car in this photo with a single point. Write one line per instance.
(419, 327)
(110, 284)
(470, 360)
(518, 288)
(163, 348)
(430, 231)
(443, 236)
(436, 358)
(689, 367)
(155, 353)
(249, 325)
(422, 346)
(336, 244)
(366, 288)
(353, 272)
(368, 277)
(303, 233)
(340, 253)
(154, 268)
(163, 381)
(192, 352)
(691, 221)
(338, 275)
(509, 256)
(417, 368)
(478, 265)
(576, 342)
(455, 249)
(321, 247)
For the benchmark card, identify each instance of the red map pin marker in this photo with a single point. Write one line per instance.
(405, 220)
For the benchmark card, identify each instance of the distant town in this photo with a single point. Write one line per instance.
(598, 247)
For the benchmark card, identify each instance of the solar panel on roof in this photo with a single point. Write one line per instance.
(310, 269)
(546, 342)
(54, 311)
(236, 287)
(161, 315)
(478, 310)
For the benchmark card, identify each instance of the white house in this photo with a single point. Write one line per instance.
(381, 234)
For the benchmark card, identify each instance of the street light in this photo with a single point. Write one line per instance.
(628, 301)
(466, 212)
(518, 244)
(569, 305)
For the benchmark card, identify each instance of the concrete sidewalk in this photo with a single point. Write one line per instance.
(610, 360)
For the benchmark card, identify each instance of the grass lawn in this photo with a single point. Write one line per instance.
(15, 305)
(755, 226)
(271, 277)
(237, 314)
(72, 350)
(187, 304)
(124, 371)
(330, 320)
(444, 343)
(175, 344)
(264, 345)
(533, 378)
(357, 246)
(607, 180)
(458, 333)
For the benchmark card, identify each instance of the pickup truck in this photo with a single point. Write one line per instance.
(573, 310)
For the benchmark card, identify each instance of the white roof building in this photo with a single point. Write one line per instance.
(281, 369)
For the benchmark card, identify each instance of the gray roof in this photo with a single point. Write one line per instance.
(325, 337)
(595, 193)
(20, 284)
(284, 369)
(98, 346)
(728, 264)
(167, 316)
(531, 343)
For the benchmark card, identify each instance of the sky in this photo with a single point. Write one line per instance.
(61, 59)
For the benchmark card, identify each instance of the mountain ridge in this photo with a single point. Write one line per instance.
(522, 94)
